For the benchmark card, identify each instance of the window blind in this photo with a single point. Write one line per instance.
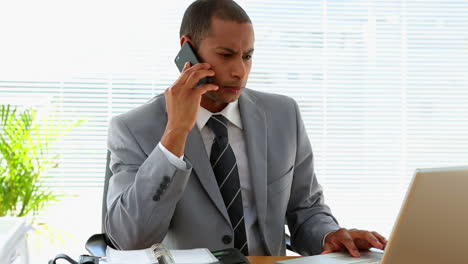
(382, 85)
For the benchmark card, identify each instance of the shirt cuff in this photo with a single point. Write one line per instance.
(173, 159)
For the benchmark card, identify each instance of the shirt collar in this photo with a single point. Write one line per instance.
(230, 112)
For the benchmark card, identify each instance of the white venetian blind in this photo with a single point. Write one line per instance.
(382, 85)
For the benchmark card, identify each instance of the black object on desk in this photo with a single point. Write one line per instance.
(84, 259)
(230, 256)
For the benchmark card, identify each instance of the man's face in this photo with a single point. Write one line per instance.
(228, 48)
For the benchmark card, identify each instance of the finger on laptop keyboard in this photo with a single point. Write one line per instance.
(348, 242)
(373, 240)
(381, 238)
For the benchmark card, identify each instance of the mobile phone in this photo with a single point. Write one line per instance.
(187, 54)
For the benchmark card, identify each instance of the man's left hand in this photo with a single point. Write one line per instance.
(353, 240)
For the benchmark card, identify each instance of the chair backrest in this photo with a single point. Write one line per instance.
(108, 175)
(97, 243)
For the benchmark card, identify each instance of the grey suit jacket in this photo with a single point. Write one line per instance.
(151, 201)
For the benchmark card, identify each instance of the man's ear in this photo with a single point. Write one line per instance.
(184, 39)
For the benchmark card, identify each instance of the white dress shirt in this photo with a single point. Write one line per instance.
(237, 142)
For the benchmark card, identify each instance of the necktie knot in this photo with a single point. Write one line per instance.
(218, 124)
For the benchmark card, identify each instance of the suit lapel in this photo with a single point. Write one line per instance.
(255, 129)
(196, 154)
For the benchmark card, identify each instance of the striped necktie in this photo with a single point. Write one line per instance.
(224, 166)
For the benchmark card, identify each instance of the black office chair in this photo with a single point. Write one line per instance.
(97, 243)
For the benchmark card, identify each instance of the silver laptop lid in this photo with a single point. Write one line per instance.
(432, 226)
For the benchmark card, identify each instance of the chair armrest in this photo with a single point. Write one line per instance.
(96, 245)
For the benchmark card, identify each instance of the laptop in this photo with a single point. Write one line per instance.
(432, 226)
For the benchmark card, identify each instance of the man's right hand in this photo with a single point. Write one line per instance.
(183, 104)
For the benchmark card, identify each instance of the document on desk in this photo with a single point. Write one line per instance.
(146, 256)
(367, 257)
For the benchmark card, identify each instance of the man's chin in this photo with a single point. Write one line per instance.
(226, 95)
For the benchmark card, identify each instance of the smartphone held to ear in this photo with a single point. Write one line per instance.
(187, 54)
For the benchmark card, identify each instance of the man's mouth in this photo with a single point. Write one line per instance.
(233, 89)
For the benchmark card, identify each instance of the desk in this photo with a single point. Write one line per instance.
(267, 260)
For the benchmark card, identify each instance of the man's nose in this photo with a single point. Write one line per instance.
(238, 68)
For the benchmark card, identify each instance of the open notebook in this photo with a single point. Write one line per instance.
(150, 256)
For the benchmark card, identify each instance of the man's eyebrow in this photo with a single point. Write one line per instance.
(233, 51)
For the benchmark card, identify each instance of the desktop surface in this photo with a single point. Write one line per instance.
(267, 259)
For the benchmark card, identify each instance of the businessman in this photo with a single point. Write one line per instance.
(219, 165)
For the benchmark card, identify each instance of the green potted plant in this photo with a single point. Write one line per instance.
(25, 154)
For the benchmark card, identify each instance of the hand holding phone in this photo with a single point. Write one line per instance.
(187, 54)
(183, 101)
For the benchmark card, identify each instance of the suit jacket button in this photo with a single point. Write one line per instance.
(227, 239)
(163, 185)
(156, 197)
(166, 179)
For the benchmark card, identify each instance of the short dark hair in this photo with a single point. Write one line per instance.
(196, 22)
